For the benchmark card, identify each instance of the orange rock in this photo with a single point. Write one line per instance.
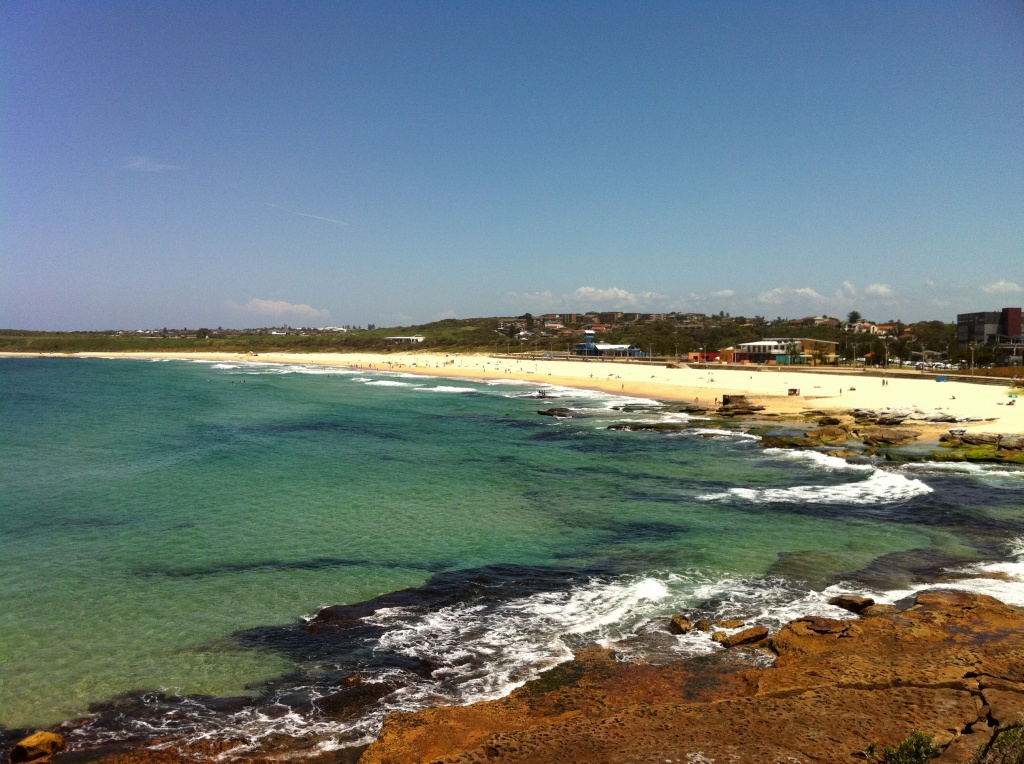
(36, 747)
(938, 666)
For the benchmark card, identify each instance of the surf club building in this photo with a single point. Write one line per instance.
(412, 340)
(604, 349)
(787, 350)
(989, 328)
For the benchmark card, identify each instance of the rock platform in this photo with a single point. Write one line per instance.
(947, 664)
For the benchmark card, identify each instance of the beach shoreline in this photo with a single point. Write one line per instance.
(703, 387)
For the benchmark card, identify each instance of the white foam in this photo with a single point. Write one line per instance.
(485, 653)
(609, 399)
(447, 389)
(722, 433)
(879, 487)
(1003, 579)
(996, 475)
(675, 416)
(258, 368)
(389, 383)
(817, 459)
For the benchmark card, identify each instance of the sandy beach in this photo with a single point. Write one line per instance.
(770, 387)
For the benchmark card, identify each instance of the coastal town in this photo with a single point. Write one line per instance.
(987, 339)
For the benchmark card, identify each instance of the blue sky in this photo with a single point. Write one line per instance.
(257, 163)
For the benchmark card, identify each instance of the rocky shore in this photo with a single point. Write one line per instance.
(851, 433)
(941, 674)
(948, 665)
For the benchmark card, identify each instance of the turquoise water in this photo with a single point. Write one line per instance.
(152, 511)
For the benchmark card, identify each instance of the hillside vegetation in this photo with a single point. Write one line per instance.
(666, 338)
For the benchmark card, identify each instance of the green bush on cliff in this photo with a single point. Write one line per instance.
(916, 749)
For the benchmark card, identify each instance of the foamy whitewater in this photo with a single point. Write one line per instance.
(169, 529)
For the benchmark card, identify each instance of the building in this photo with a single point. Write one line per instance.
(788, 350)
(862, 327)
(604, 349)
(989, 327)
(405, 340)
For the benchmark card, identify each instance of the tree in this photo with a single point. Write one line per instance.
(853, 317)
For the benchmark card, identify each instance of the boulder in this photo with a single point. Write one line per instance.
(355, 697)
(894, 436)
(851, 602)
(729, 623)
(829, 433)
(745, 637)
(737, 405)
(557, 411)
(41, 745)
(788, 441)
(980, 438)
(680, 624)
(703, 625)
(830, 421)
(1012, 442)
(889, 420)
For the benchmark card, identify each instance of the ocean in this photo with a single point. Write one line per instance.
(167, 528)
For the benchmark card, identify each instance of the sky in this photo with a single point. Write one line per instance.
(241, 164)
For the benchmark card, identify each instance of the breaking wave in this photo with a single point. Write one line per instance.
(880, 487)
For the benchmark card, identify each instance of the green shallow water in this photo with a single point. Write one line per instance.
(148, 510)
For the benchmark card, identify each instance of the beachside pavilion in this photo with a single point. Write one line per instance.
(605, 349)
(789, 350)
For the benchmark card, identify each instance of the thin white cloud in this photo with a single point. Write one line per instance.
(880, 290)
(321, 217)
(780, 295)
(589, 298)
(278, 308)
(722, 293)
(612, 295)
(846, 291)
(808, 293)
(1002, 287)
(145, 164)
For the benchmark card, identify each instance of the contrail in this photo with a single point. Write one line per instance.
(319, 217)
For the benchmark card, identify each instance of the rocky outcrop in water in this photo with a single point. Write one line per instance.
(889, 436)
(737, 405)
(982, 447)
(948, 664)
